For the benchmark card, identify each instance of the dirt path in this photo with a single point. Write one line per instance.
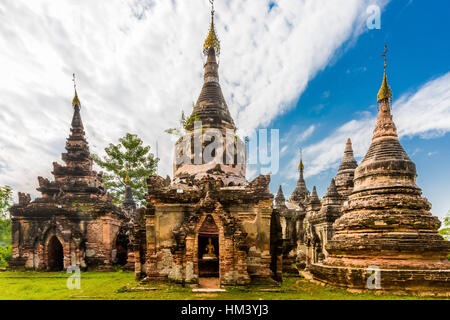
(209, 283)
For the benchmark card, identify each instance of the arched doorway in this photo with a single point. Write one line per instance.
(55, 255)
(121, 245)
(208, 249)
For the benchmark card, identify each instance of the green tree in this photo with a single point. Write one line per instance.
(131, 156)
(445, 230)
(5, 226)
(184, 123)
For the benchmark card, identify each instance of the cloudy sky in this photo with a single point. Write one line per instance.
(311, 69)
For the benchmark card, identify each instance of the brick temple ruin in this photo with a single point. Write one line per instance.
(373, 221)
(209, 221)
(74, 222)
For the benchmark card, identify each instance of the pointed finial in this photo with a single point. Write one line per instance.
(385, 91)
(301, 167)
(348, 160)
(332, 191)
(314, 196)
(348, 146)
(127, 177)
(128, 202)
(385, 56)
(280, 193)
(75, 101)
(212, 41)
(279, 198)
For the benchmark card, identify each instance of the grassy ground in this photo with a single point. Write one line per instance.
(111, 286)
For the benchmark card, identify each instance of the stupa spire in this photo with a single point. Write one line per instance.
(128, 202)
(76, 145)
(346, 172)
(301, 191)
(314, 195)
(385, 92)
(211, 108)
(279, 198)
(75, 101)
(385, 127)
(301, 167)
(77, 124)
(331, 205)
(313, 201)
(348, 161)
(212, 41)
(332, 191)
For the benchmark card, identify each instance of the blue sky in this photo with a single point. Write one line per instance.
(311, 69)
(416, 33)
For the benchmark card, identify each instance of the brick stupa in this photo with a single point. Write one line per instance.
(387, 223)
(74, 222)
(209, 221)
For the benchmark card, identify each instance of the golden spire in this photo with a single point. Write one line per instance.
(212, 41)
(127, 178)
(75, 101)
(301, 167)
(385, 91)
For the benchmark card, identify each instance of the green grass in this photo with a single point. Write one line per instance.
(111, 286)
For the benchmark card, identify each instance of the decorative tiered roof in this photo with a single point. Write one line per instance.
(75, 182)
(77, 158)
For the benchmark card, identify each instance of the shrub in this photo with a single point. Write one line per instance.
(5, 255)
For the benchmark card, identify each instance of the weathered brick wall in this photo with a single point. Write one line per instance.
(398, 281)
(31, 236)
(165, 261)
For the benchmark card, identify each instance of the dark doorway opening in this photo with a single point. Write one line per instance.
(276, 246)
(208, 249)
(122, 249)
(55, 255)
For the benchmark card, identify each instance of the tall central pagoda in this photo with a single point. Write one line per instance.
(214, 123)
(209, 221)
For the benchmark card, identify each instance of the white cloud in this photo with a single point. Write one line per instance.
(292, 140)
(427, 112)
(328, 152)
(139, 63)
(424, 113)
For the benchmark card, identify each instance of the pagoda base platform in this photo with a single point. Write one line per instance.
(392, 281)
